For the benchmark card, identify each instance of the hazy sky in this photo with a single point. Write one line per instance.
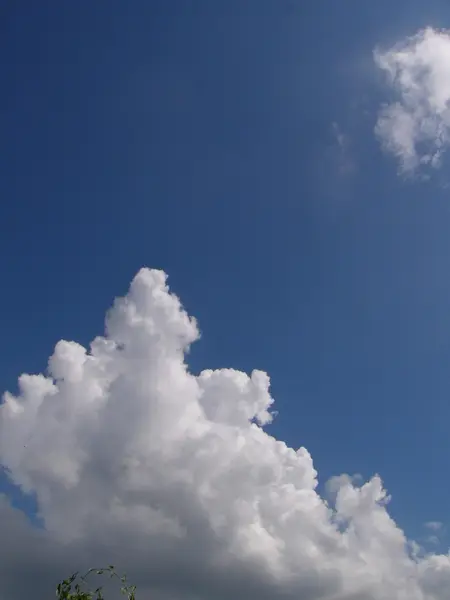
(265, 184)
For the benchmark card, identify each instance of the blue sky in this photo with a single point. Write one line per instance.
(232, 145)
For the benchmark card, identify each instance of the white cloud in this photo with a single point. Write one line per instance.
(342, 151)
(415, 125)
(433, 539)
(138, 462)
(436, 530)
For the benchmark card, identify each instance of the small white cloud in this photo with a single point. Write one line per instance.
(415, 125)
(433, 540)
(434, 525)
(339, 136)
(136, 461)
(342, 150)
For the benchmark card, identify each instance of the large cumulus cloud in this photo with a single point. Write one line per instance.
(136, 461)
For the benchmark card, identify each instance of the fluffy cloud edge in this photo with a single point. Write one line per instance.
(414, 126)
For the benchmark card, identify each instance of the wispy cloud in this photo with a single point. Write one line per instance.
(414, 125)
(433, 540)
(434, 525)
(342, 150)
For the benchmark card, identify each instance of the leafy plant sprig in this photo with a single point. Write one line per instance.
(71, 589)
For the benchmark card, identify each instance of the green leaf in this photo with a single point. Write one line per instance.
(64, 588)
